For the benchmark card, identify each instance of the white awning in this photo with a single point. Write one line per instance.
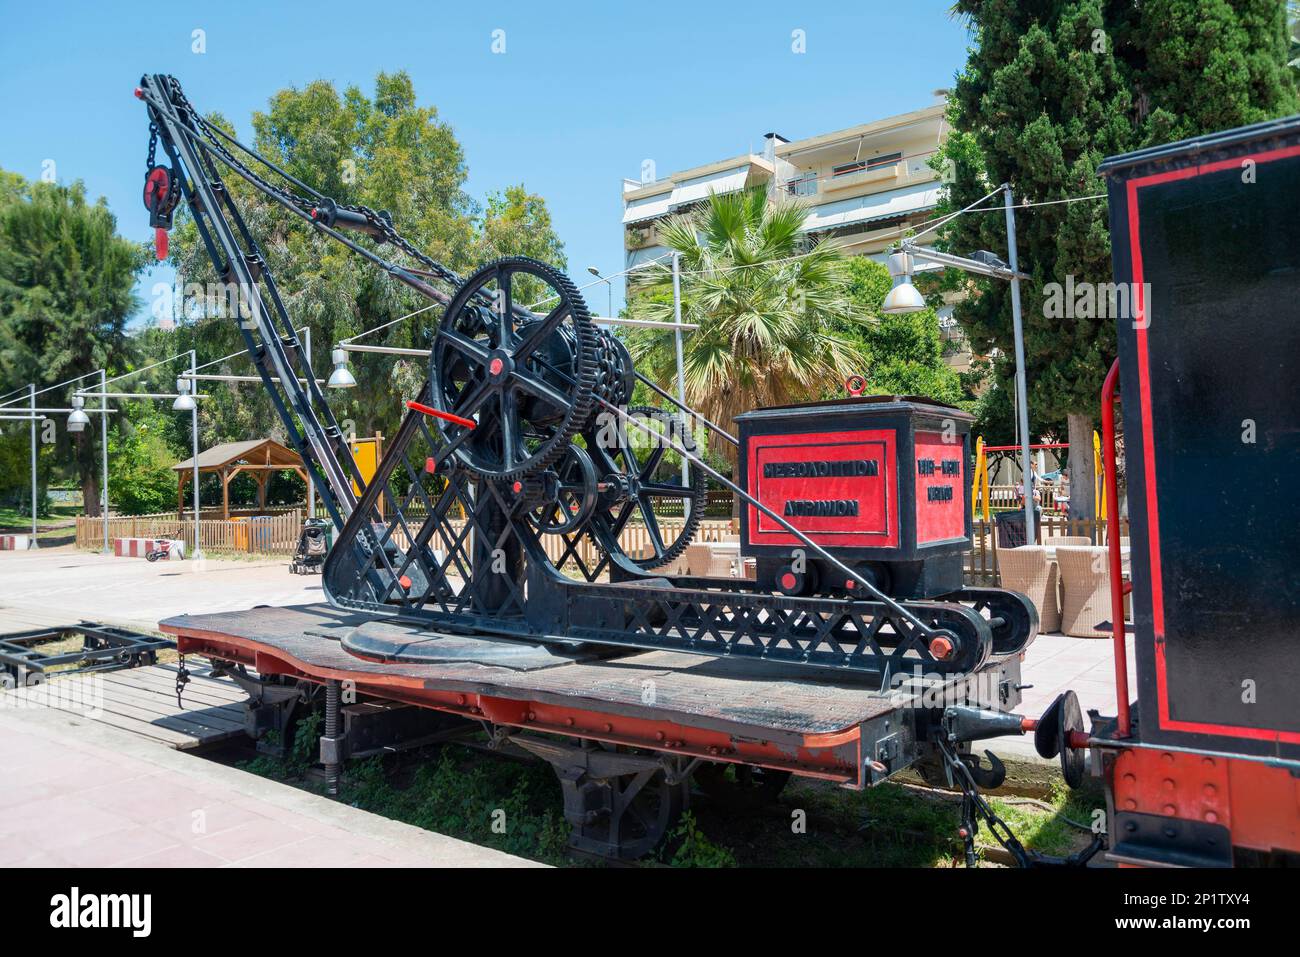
(694, 190)
(865, 209)
(649, 207)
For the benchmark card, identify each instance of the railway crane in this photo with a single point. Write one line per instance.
(480, 576)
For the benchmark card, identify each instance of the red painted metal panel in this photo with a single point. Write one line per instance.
(856, 467)
(940, 487)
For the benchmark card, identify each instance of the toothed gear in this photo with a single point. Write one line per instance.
(630, 487)
(528, 379)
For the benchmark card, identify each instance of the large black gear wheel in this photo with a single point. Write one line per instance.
(527, 379)
(632, 482)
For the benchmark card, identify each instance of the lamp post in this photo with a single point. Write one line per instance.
(904, 298)
(185, 402)
(681, 374)
(31, 395)
(609, 289)
(78, 420)
(103, 442)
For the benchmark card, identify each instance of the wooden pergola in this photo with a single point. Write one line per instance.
(260, 457)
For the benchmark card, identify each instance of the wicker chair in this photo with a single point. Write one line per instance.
(1068, 540)
(697, 559)
(706, 561)
(1085, 589)
(1028, 571)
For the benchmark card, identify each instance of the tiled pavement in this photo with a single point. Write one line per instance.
(76, 793)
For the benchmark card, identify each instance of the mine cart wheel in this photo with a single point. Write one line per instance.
(741, 786)
(636, 470)
(527, 380)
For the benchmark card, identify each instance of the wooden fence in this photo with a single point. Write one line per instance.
(266, 533)
(982, 559)
(278, 534)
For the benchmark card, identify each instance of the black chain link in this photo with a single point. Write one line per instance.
(974, 808)
(182, 679)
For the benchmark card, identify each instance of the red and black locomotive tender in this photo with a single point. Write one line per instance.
(479, 581)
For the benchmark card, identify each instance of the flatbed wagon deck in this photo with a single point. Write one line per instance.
(813, 722)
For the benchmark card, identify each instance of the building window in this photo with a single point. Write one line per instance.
(874, 162)
(803, 185)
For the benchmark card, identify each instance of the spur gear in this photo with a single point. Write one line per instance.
(529, 380)
(636, 471)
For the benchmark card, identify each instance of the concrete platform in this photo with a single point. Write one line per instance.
(82, 794)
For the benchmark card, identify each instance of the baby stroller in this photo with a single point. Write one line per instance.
(313, 543)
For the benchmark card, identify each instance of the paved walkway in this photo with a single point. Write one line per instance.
(55, 585)
(73, 793)
(94, 798)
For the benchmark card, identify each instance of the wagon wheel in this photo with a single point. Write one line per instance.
(644, 806)
(741, 786)
(525, 379)
(638, 471)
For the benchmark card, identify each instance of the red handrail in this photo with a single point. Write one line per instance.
(1108, 400)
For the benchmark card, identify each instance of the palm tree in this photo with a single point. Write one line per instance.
(767, 306)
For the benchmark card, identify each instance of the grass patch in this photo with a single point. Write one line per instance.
(503, 804)
(20, 518)
(517, 807)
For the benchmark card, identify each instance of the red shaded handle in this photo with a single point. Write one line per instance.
(160, 243)
(437, 414)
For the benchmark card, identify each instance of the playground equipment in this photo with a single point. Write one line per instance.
(981, 500)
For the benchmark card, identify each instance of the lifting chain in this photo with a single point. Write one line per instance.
(182, 679)
(974, 807)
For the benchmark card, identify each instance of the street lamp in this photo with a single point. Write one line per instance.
(184, 401)
(341, 377)
(904, 298)
(77, 419)
(609, 288)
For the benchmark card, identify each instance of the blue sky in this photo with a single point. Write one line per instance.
(582, 95)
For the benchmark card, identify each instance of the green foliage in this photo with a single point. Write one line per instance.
(904, 355)
(693, 847)
(140, 459)
(306, 741)
(388, 152)
(66, 281)
(772, 312)
(517, 223)
(500, 804)
(1293, 52)
(1047, 92)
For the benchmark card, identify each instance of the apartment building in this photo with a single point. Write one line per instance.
(864, 186)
